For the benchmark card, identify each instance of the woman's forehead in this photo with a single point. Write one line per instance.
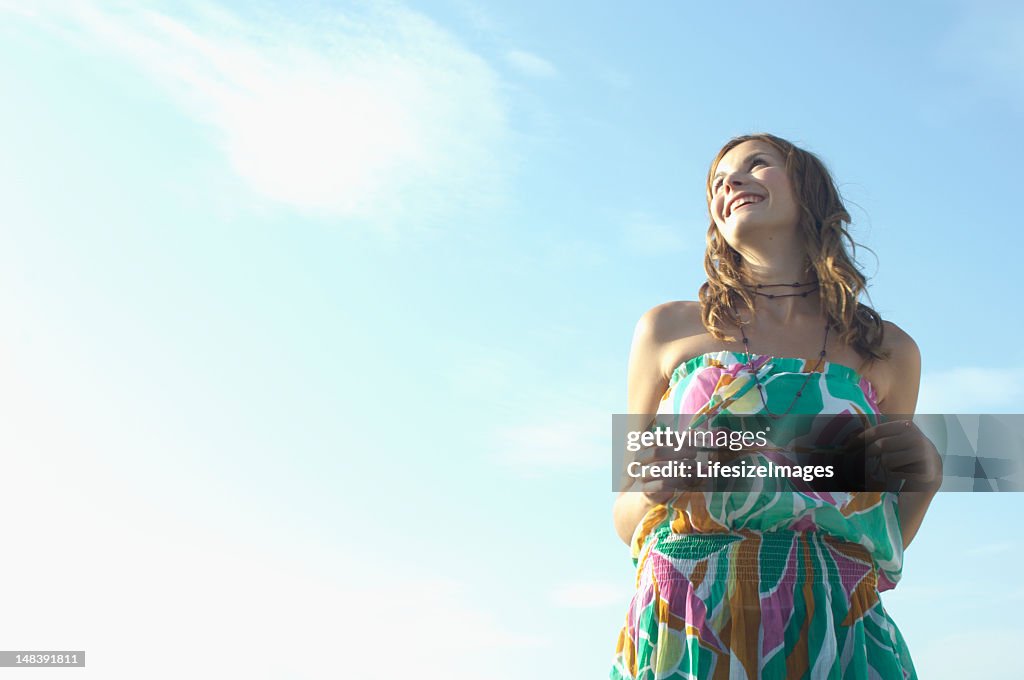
(739, 153)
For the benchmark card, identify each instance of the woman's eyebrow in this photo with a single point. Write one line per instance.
(745, 161)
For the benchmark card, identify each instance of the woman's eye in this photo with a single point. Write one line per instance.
(758, 161)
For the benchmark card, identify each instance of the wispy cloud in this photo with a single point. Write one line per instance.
(530, 64)
(376, 113)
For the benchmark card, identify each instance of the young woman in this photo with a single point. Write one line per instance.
(773, 585)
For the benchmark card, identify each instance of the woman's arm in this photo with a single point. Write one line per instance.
(920, 461)
(646, 383)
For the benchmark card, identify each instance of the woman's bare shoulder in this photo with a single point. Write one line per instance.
(663, 328)
(895, 339)
(671, 320)
(900, 349)
(898, 376)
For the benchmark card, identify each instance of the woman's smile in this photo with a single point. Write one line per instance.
(742, 200)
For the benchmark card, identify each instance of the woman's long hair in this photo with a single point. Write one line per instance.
(823, 220)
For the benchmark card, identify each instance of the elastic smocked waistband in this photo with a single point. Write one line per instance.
(769, 557)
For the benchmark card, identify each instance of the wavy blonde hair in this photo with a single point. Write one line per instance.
(822, 224)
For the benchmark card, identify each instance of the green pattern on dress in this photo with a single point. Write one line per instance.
(777, 583)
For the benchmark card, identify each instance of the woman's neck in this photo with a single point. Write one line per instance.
(785, 308)
(787, 266)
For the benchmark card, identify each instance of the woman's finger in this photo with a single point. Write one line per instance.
(898, 442)
(899, 459)
(887, 429)
(649, 455)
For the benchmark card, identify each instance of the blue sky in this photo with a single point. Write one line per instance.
(316, 313)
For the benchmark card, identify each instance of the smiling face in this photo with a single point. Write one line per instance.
(751, 195)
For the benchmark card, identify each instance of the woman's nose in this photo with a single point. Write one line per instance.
(733, 180)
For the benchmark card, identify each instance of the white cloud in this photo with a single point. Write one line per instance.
(972, 390)
(592, 594)
(377, 114)
(530, 64)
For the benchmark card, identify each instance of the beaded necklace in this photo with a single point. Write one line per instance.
(772, 296)
(799, 392)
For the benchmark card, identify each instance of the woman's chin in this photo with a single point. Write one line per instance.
(752, 231)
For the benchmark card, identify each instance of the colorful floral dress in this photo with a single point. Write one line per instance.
(765, 584)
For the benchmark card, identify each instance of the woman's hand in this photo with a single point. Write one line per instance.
(654, 460)
(904, 454)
